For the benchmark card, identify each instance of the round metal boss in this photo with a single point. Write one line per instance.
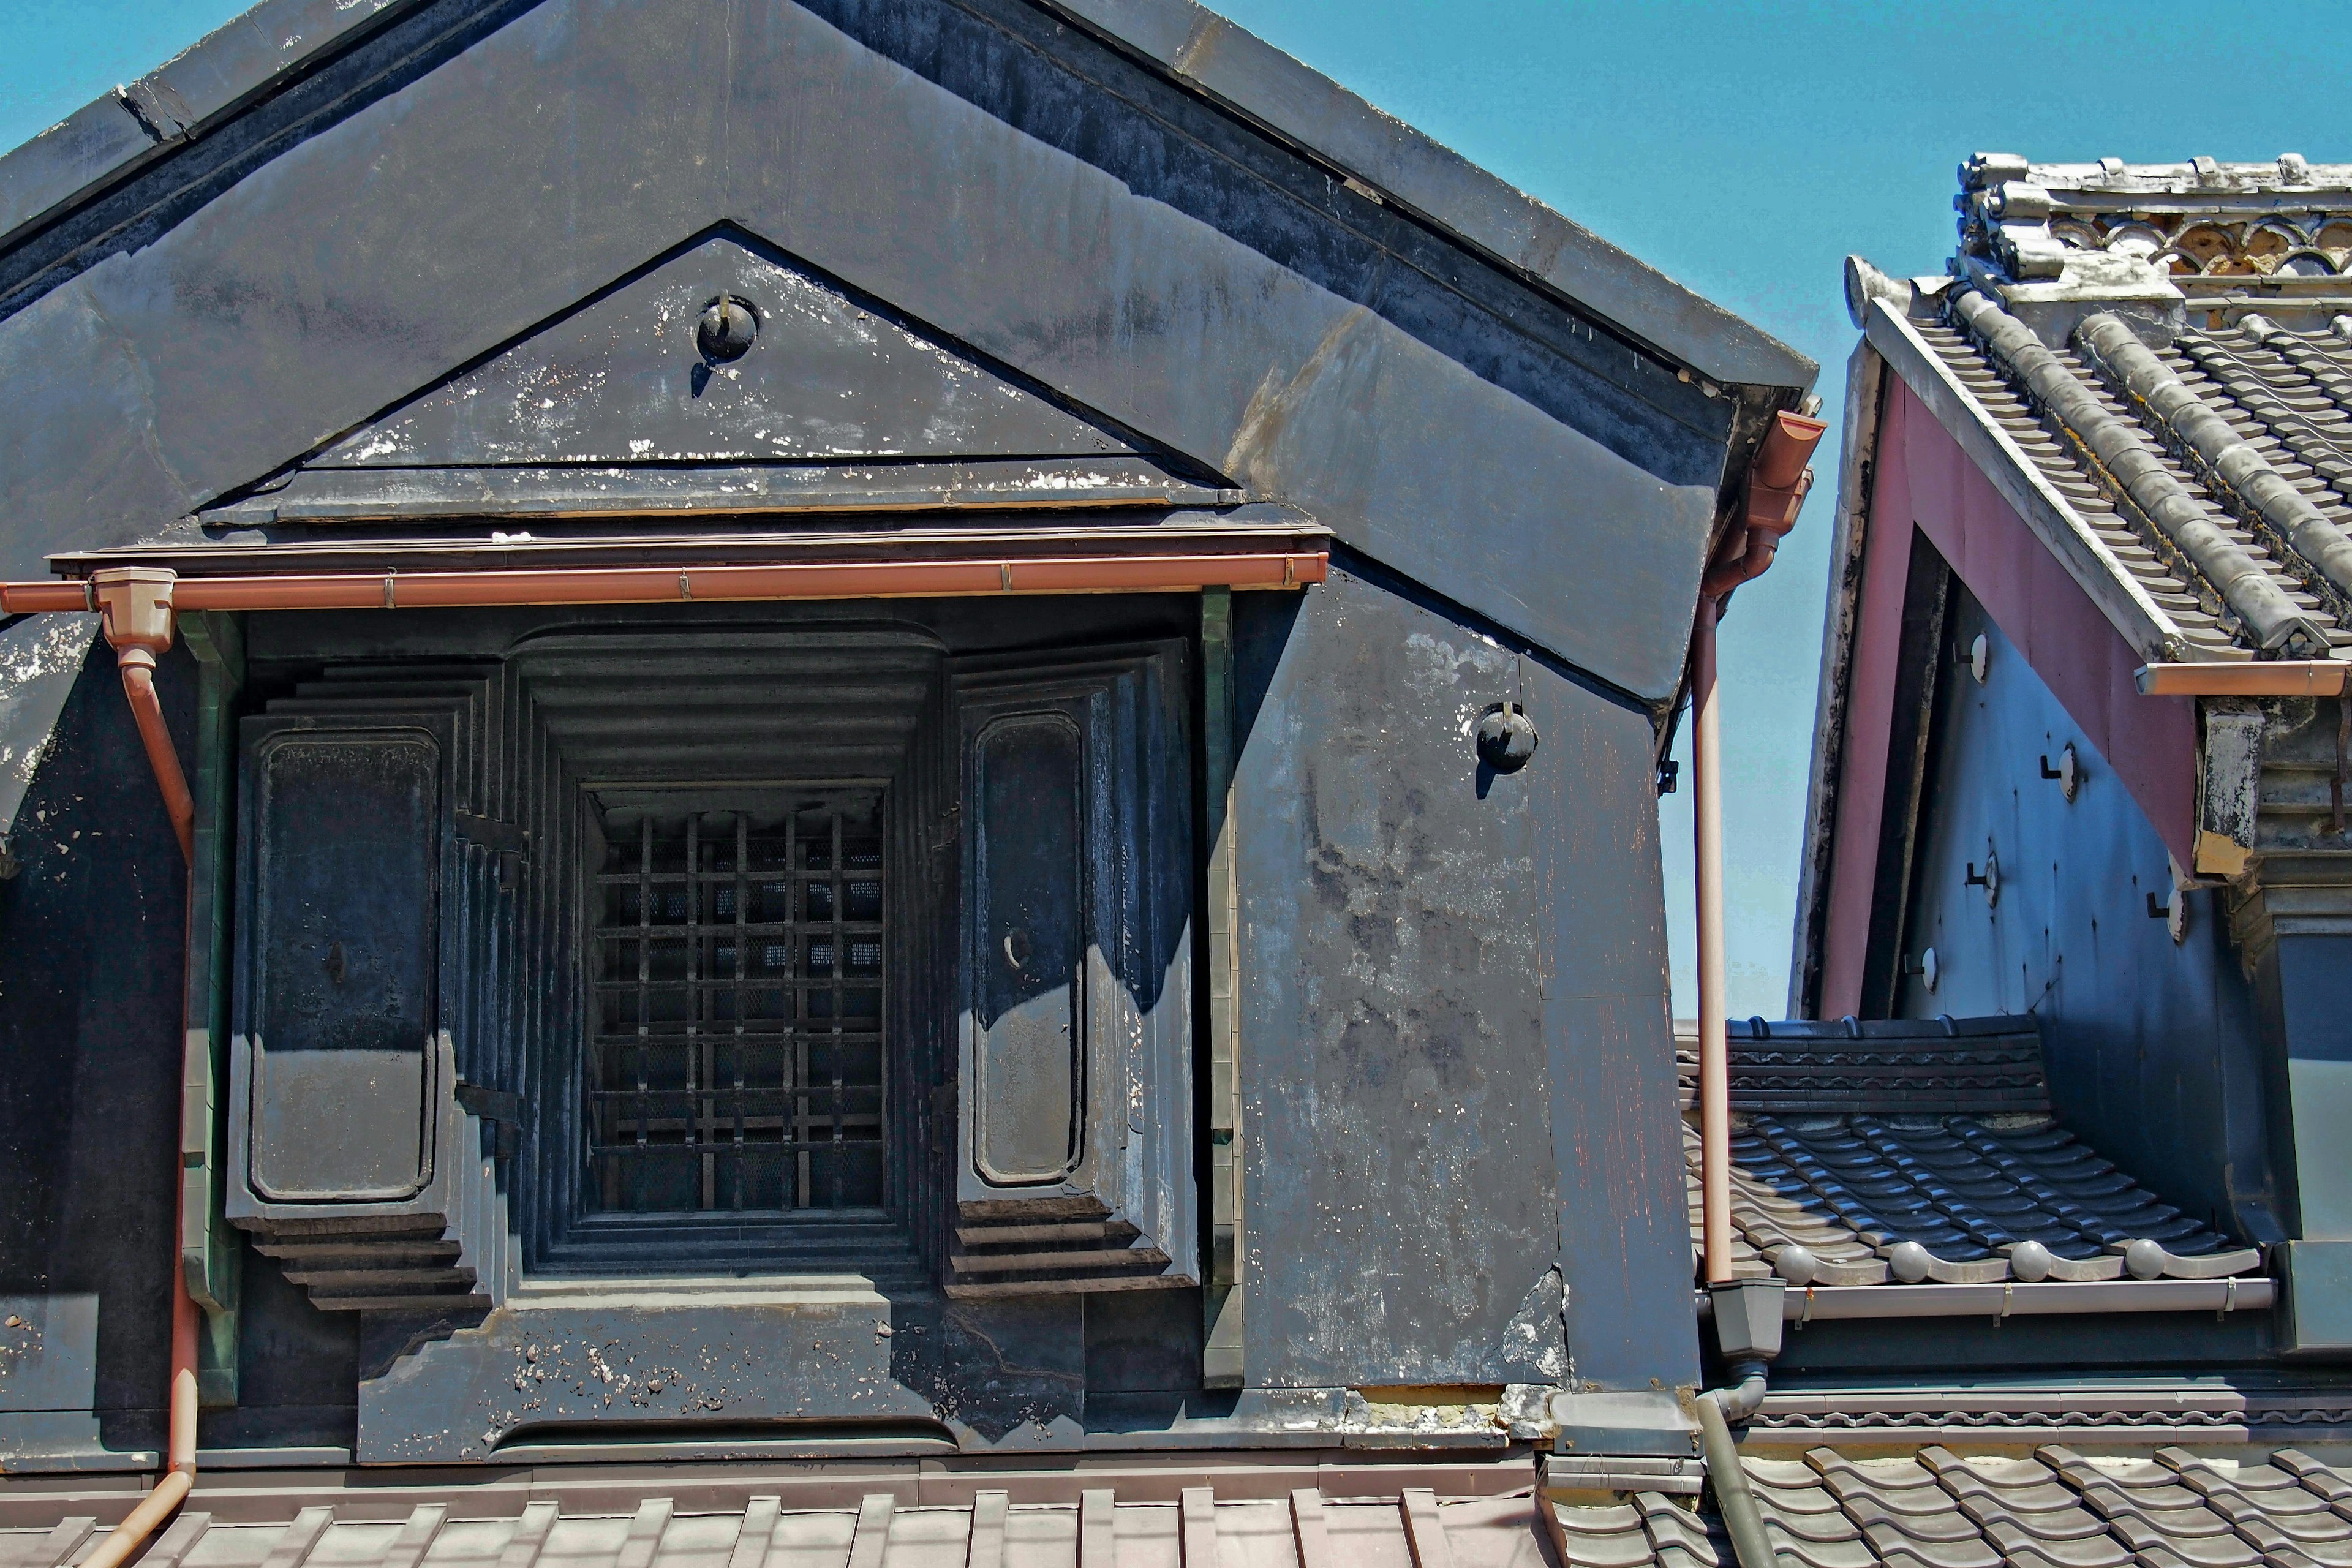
(1507, 738)
(726, 329)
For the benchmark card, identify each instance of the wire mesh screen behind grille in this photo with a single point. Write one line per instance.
(737, 1061)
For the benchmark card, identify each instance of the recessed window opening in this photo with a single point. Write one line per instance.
(737, 1053)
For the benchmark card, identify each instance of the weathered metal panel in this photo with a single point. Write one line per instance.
(1076, 1169)
(1456, 1065)
(1135, 255)
(1923, 478)
(345, 835)
(623, 380)
(1026, 1076)
(2152, 1047)
(90, 1037)
(40, 658)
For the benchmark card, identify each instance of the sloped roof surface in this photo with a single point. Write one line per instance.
(1930, 1510)
(1924, 1151)
(2163, 355)
(276, 42)
(2287, 394)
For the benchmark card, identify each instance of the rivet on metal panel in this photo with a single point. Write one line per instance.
(1507, 738)
(2068, 773)
(1990, 879)
(726, 328)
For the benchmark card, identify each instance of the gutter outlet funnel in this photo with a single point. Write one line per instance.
(1747, 1317)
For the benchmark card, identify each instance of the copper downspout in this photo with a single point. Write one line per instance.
(1714, 1050)
(136, 604)
(1777, 482)
(689, 584)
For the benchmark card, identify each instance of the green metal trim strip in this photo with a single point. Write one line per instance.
(1222, 1359)
(211, 1250)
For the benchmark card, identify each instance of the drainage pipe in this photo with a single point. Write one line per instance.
(1742, 1520)
(387, 590)
(1713, 1048)
(137, 667)
(1778, 480)
(137, 607)
(2250, 677)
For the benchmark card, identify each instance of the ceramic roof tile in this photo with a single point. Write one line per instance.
(2220, 1508)
(1841, 1177)
(2288, 392)
(2155, 362)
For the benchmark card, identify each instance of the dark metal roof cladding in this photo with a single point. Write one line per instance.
(1911, 1152)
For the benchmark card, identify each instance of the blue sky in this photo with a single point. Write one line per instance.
(1743, 148)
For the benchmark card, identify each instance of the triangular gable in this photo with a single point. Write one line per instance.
(620, 379)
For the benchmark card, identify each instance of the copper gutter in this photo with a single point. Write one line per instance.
(2251, 677)
(137, 605)
(660, 585)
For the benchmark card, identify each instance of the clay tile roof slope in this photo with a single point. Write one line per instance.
(2230, 1507)
(1913, 1152)
(2163, 355)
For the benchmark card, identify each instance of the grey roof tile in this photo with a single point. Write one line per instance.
(2286, 392)
(1912, 1152)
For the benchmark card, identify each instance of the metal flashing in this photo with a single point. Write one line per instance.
(1400, 165)
(1207, 55)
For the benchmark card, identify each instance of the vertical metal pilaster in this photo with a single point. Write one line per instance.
(1222, 1359)
(211, 1250)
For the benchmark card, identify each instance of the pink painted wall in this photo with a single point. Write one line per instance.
(1925, 479)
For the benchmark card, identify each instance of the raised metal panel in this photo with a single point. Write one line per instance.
(1219, 297)
(343, 1070)
(1074, 1152)
(621, 381)
(1028, 950)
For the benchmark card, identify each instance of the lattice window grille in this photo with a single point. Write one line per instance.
(738, 1062)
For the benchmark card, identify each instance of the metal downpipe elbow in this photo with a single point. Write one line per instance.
(1742, 1520)
(138, 665)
